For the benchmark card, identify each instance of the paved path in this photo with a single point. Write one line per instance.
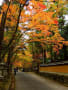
(31, 81)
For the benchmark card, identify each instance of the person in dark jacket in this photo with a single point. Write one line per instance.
(15, 70)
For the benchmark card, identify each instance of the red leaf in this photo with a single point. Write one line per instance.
(42, 6)
(55, 21)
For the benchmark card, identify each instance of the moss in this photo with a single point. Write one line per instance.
(4, 84)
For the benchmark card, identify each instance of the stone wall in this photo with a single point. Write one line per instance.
(62, 78)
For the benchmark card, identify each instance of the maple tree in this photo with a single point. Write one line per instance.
(46, 26)
(34, 37)
(61, 12)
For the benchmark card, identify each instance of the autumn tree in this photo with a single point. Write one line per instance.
(47, 26)
(11, 16)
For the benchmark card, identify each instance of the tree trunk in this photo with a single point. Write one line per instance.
(65, 52)
(44, 56)
(14, 34)
(2, 27)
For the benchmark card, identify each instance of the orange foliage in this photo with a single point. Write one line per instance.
(39, 20)
(46, 23)
(17, 64)
(4, 7)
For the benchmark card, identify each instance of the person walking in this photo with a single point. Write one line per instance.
(15, 70)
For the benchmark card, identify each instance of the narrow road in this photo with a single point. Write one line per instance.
(31, 81)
